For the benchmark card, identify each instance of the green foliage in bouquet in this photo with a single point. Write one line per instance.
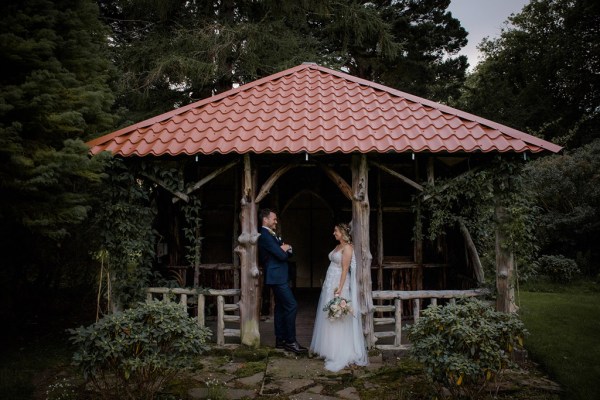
(464, 346)
(132, 354)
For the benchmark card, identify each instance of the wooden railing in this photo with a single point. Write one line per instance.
(224, 310)
(417, 297)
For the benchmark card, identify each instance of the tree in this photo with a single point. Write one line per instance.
(174, 52)
(542, 74)
(53, 92)
(428, 37)
(568, 191)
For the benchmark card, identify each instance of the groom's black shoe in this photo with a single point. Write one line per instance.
(279, 344)
(295, 347)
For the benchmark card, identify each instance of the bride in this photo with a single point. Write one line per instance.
(340, 340)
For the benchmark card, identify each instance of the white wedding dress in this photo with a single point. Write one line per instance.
(340, 342)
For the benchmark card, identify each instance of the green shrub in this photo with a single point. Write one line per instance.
(465, 345)
(132, 354)
(558, 268)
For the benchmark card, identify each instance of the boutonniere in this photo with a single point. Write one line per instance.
(274, 234)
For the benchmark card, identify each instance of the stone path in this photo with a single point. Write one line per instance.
(284, 375)
(275, 374)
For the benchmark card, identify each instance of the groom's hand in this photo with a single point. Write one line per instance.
(286, 247)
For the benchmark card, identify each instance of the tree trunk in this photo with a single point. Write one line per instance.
(249, 274)
(360, 233)
(504, 265)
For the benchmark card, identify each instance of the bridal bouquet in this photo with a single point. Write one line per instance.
(337, 308)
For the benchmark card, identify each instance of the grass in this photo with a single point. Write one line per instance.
(564, 327)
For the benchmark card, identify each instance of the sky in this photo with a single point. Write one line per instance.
(482, 18)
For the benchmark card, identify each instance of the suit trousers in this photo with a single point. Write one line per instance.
(286, 308)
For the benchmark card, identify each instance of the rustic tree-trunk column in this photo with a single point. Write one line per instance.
(360, 233)
(504, 265)
(247, 250)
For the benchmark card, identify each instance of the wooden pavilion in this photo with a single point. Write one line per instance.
(321, 147)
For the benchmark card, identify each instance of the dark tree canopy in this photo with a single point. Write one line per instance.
(543, 74)
(174, 52)
(428, 38)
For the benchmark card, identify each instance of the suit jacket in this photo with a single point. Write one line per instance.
(272, 258)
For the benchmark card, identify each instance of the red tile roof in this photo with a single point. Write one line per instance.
(313, 109)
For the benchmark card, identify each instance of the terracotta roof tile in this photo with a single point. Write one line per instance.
(312, 109)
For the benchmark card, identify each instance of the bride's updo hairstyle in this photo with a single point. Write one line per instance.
(345, 231)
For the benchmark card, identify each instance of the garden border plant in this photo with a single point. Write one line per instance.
(465, 346)
(133, 354)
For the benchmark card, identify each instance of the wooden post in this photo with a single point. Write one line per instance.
(505, 265)
(360, 233)
(236, 231)
(249, 274)
(220, 320)
(416, 309)
(379, 235)
(418, 247)
(398, 319)
(183, 301)
(200, 319)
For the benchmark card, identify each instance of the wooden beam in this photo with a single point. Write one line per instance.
(427, 294)
(444, 187)
(161, 183)
(397, 175)
(472, 251)
(338, 180)
(207, 179)
(266, 187)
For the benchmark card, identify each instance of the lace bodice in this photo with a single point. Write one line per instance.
(336, 258)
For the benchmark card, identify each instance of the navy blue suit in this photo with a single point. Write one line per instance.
(275, 263)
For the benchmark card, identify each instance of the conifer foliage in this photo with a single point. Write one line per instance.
(53, 92)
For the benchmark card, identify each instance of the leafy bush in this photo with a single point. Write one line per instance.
(465, 345)
(133, 353)
(558, 268)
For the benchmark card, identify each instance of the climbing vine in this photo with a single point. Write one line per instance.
(127, 238)
(192, 230)
(472, 197)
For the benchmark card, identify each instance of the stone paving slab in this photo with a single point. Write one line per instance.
(348, 393)
(296, 368)
(254, 380)
(311, 396)
(287, 386)
(227, 393)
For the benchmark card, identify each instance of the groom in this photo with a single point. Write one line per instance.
(273, 256)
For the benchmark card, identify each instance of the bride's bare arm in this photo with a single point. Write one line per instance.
(346, 259)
